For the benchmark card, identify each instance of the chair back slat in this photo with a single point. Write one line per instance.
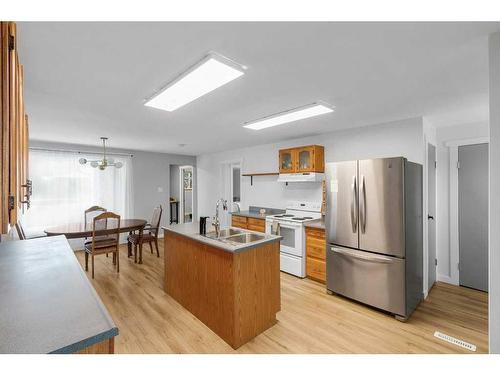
(155, 221)
(92, 212)
(106, 221)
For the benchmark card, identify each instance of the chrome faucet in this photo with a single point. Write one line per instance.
(237, 206)
(216, 220)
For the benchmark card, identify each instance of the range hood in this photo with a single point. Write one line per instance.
(301, 177)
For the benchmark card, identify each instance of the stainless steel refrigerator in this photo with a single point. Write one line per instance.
(374, 233)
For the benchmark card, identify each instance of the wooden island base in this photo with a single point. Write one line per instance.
(236, 294)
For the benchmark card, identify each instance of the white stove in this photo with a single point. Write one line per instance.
(291, 228)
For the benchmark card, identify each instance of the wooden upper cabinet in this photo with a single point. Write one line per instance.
(302, 159)
(14, 186)
(288, 160)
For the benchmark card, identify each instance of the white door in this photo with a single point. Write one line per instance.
(431, 213)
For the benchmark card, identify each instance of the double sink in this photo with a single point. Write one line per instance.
(235, 236)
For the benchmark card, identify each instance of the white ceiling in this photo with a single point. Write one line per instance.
(86, 80)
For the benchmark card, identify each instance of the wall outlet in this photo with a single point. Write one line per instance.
(160, 189)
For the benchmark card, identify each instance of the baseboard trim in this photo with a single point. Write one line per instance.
(446, 279)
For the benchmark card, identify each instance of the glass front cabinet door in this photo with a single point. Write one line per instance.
(305, 156)
(287, 161)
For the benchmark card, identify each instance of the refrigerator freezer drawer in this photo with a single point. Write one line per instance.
(373, 279)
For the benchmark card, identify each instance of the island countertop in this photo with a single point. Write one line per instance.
(47, 304)
(233, 289)
(191, 230)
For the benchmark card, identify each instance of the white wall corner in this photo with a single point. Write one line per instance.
(494, 212)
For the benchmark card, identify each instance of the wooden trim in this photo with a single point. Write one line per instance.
(4, 122)
(103, 347)
(13, 124)
(13, 130)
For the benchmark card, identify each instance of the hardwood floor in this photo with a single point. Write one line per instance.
(310, 321)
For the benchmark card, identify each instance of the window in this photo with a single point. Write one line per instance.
(63, 189)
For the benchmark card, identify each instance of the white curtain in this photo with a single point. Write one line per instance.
(63, 188)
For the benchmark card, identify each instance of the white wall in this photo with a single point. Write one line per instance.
(151, 171)
(399, 138)
(494, 242)
(446, 134)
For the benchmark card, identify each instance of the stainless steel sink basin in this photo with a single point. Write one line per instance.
(245, 238)
(224, 233)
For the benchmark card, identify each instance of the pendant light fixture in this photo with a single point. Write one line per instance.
(103, 163)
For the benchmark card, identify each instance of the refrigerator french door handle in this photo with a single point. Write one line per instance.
(367, 258)
(362, 204)
(354, 205)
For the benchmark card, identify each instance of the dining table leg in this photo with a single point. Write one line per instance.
(129, 246)
(140, 245)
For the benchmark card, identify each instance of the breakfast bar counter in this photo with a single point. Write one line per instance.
(232, 284)
(47, 304)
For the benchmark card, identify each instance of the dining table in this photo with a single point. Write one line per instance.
(84, 230)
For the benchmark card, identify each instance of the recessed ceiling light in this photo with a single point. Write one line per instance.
(291, 115)
(212, 72)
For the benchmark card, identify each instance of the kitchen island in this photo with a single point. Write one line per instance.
(232, 285)
(47, 304)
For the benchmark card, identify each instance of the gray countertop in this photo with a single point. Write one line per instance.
(252, 214)
(319, 224)
(254, 211)
(191, 230)
(47, 304)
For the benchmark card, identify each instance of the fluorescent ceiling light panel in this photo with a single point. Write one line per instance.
(210, 73)
(292, 115)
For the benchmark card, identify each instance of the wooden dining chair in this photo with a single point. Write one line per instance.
(92, 212)
(89, 215)
(152, 229)
(22, 234)
(104, 244)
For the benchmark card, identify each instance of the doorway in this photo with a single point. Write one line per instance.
(186, 195)
(473, 215)
(231, 188)
(431, 214)
(181, 194)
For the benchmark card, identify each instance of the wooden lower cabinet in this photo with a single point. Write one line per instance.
(103, 347)
(239, 221)
(250, 223)
(236, 294)
(316, 254)
(258, 225)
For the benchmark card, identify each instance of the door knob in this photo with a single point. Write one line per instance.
(430, 217)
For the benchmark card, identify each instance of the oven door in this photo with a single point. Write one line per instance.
(292, 241)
